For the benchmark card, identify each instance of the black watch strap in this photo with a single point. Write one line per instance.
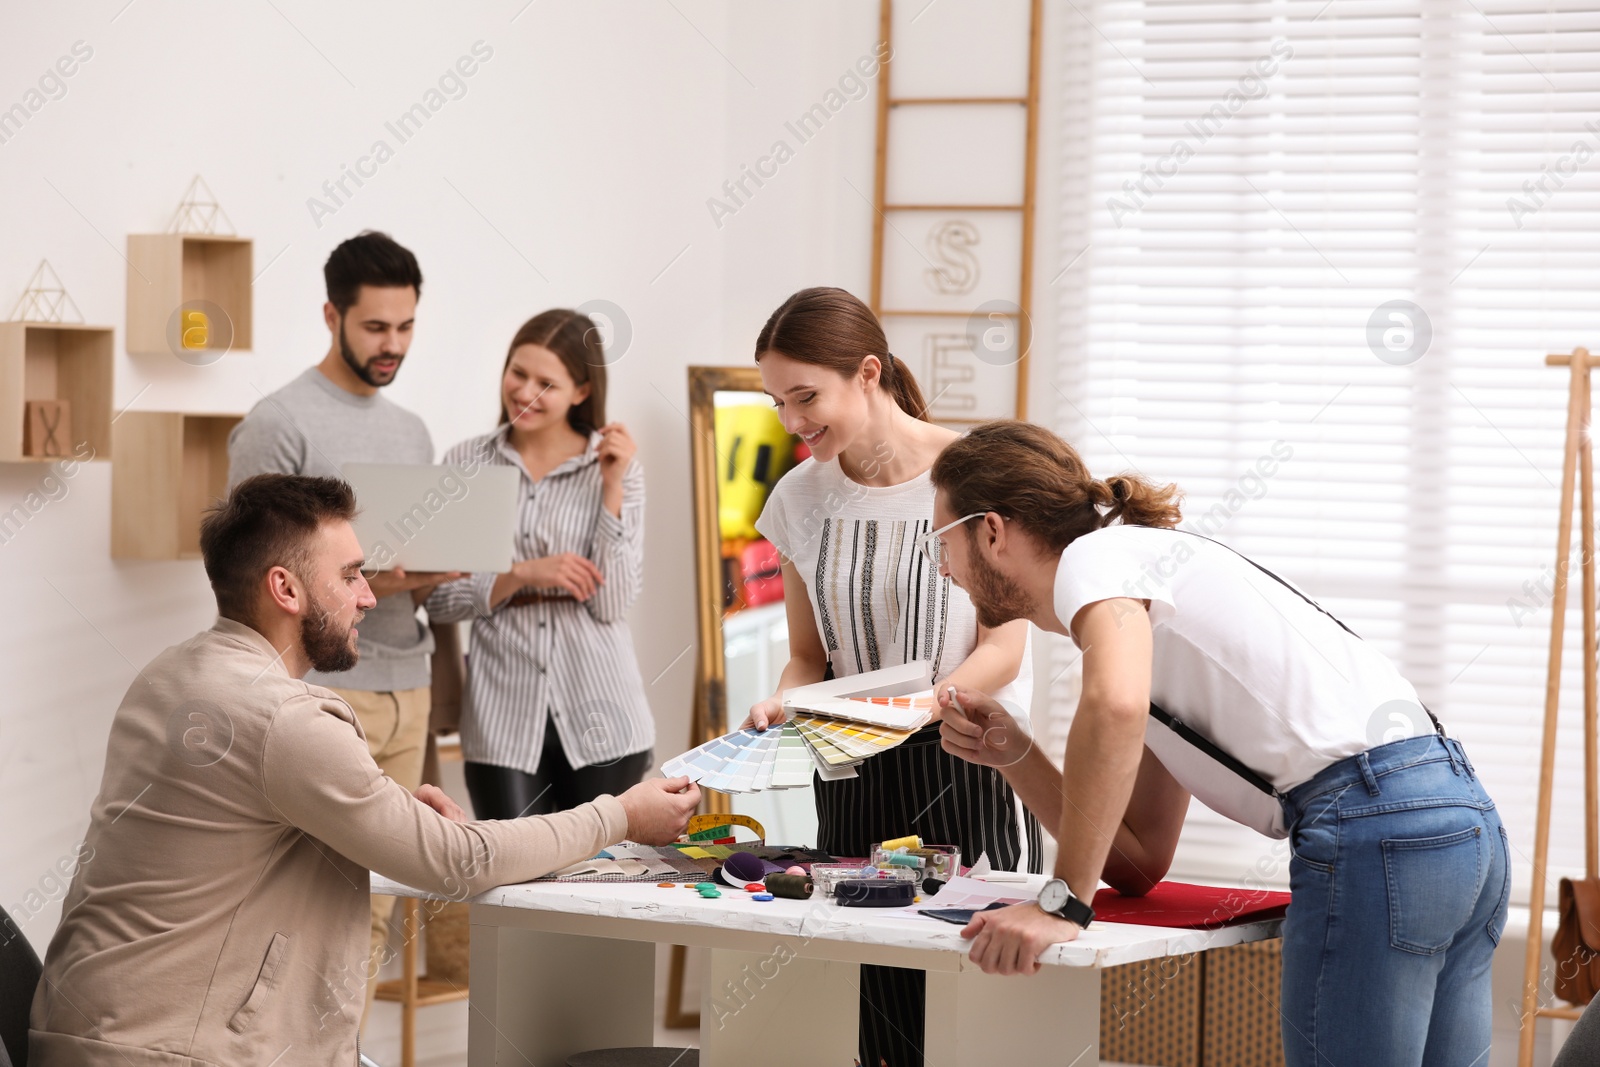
(1076, 911)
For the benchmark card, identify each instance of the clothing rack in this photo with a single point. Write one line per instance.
(1577, 476)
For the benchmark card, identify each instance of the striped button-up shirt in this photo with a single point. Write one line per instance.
(573, 660)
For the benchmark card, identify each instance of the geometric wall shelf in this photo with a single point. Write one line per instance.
(199, 212)
(170, 466)
(174, 276)
(45, 299)
(56, 361)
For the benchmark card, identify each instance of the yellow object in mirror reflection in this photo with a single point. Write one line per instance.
(753, 452)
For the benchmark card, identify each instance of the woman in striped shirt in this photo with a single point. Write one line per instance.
(555, 711)
(861, 595)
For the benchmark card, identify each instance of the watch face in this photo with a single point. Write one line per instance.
(1054, 895)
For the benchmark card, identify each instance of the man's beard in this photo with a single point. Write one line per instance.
(364, 373)
(328, 649)
(996, 598)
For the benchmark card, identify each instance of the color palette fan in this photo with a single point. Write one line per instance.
(906, 713)
(827, 731)
(747, 761)
(831, 727)
(841, 743)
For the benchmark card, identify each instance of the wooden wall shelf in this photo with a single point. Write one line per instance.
(169, 271)
(170, 466)
(56, 361)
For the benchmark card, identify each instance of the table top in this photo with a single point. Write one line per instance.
(1104, 944)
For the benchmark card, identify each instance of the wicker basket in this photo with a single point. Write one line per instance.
(447, 943)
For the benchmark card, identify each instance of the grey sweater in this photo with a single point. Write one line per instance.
(312, 426)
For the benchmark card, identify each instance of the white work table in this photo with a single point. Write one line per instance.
(559, 968)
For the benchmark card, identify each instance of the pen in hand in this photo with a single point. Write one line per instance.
(954, 701)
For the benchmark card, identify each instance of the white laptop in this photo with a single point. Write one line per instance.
(435, 518)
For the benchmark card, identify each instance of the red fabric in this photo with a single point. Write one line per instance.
(763, 573)
(1193, 907)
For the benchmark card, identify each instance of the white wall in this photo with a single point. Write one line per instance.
(583, 150)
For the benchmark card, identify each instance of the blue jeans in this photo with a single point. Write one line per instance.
(1400, 879)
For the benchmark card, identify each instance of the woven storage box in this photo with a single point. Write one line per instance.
(447, 944)
(1243, 985)
(1150, 1012)
(1210, 1009)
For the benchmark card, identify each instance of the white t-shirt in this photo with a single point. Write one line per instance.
(1239, 658)
(876, 599)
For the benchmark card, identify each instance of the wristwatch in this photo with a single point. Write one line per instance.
(1058, 900)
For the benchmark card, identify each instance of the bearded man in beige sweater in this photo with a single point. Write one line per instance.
(220, 916)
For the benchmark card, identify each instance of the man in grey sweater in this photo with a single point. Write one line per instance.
(331, 415)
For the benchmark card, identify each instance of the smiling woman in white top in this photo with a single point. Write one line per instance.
(861, 594)
(554, 712)
(1205, 674)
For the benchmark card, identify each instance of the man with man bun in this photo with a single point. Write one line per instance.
(1205, 674)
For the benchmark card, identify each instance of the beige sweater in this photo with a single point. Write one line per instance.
(219, 914)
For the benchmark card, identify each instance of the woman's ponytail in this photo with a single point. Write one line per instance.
(902, 385)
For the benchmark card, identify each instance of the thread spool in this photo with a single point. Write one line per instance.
(904, 859)
(790, 886)
(913, 841)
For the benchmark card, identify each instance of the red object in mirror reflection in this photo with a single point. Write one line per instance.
(763, 573)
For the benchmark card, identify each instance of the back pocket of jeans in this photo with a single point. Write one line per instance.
(1433, 884)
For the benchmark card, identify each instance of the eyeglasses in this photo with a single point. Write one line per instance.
(933, 548)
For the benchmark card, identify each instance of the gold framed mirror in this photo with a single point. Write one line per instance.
(721, 451)
(710, 704)
(738, 451)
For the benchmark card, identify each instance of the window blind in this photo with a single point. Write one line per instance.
(1314, 253)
